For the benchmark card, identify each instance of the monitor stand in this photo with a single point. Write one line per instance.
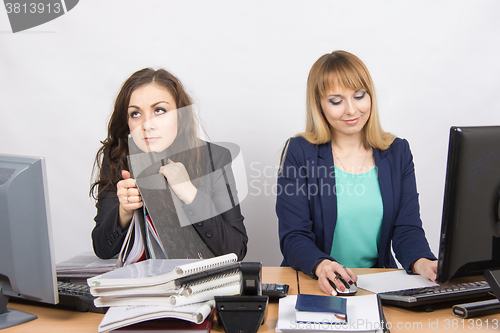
(492, 276)
(476, 309)
(12, 317)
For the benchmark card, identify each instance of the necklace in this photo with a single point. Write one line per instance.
(342, 164)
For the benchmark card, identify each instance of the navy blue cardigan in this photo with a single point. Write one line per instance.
(307, 206)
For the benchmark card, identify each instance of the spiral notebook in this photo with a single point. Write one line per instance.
(169, 325)
(224, 284)
(155, 272)
(117, 317)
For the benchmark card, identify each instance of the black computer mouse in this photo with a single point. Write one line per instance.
(349, 289)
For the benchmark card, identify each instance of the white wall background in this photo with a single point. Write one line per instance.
(435, 64)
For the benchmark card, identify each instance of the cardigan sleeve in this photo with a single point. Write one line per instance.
(297, 237)
(409, 242)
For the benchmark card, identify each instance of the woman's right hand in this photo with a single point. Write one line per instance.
(327, 270)
(129, 198)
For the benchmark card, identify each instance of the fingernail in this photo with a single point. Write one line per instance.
(334, 293)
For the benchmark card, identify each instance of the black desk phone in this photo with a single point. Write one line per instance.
(274, 290)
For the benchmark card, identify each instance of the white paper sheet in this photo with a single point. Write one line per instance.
(390, 281)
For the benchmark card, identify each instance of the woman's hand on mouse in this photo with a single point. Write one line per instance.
(178, 178)
(129, 198)
(327, 270)
(426, 268)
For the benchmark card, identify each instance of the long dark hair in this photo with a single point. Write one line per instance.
(115, 146)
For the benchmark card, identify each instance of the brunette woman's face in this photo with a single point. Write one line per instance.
(152, 118)
(346, 110)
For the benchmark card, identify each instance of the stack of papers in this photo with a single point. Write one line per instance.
(84, 266)
(391, 281)
(118, 317)
(155, 282)
(170, 288)
(362, 316)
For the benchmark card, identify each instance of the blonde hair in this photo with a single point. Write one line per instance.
(344, 69)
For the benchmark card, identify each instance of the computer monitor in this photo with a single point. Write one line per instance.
(27, 265)
(470, 231)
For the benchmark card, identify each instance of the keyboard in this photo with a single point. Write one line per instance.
(436, 294)
(72, 296)
(77, 297)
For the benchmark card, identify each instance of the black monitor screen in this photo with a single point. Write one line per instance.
(470, 231)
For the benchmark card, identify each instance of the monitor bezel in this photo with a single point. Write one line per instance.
(464, 145)
(21, 264)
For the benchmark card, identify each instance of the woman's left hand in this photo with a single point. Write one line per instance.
(178, 178)
(426, 267)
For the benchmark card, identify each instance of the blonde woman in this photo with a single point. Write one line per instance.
(347, 189)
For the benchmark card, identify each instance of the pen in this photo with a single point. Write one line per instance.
(298, 284)
(383, 322)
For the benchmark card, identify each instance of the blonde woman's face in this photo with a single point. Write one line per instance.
(152, 118)
(346, 110)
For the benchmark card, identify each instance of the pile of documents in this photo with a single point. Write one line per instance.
(168, 288)
(84, 266)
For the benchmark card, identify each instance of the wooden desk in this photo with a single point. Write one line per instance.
(402, 320)
(417, 320)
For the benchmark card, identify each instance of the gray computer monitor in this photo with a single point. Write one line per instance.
(27, 264)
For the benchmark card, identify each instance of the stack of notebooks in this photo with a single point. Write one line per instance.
(155, 288)
(195, 317)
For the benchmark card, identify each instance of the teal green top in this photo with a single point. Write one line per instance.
(359, 218)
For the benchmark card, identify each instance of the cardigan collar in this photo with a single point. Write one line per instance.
(385, 183)
(325, 150)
